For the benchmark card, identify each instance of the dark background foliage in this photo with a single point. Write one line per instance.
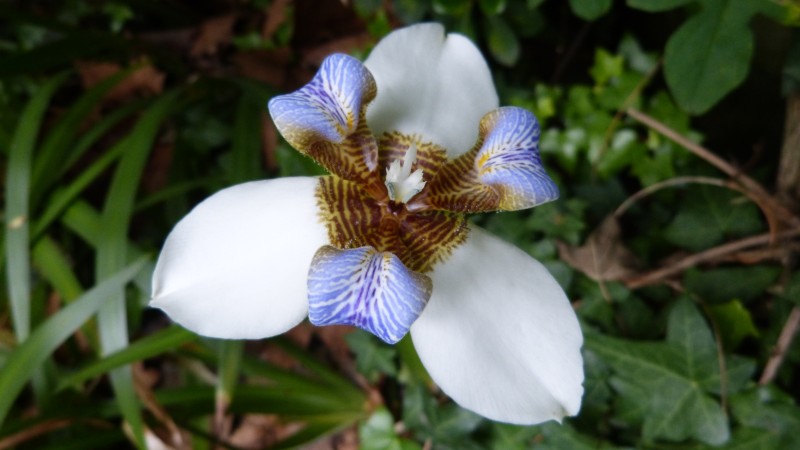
(671, 126)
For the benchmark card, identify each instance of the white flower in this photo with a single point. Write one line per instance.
(414, 140)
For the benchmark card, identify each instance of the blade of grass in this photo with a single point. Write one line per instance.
(157, 343)
(325, 373)
(26, 358)
(311, 432)
(282, 378)
(54, 267)
(112, 251)
(175, 190)
(293, 405)
(65, 196)
(230, 361)
(57, 147)
(246, 145)
(17, 206)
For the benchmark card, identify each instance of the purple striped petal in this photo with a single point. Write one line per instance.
(365, 288)
(328, 107)
(509, 159)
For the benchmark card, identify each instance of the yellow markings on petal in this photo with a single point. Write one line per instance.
(355, 219)
(482, 160)
(354, 159)
(457, 186)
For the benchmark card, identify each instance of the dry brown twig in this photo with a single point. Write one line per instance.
(784, 341)
(712, 254)
(772, 208)
(778, 216)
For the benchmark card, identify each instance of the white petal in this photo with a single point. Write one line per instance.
(236, 267)
(432, 85)
(499, 336)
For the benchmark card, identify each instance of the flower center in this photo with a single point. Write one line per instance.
(401, 183)
(355, 216)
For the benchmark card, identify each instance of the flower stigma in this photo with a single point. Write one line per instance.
(400, 181)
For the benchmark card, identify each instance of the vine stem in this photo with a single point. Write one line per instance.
(711, 254)
(784, 341)
(770, 206)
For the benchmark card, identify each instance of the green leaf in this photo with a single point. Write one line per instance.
(47, 337)
(378, 433)
(229, 367)
(792, 291)
(246, 145)
(753, 439)
(765, 408)
(503, 43)
(734, 321)
(17, 211)
(448, 425)
(657, 5)
(451, 7)
(725, 284)
(63, 197)
(112, 250)
(606, 66)
(148, 347)
(590, 10)
(625, 149)
(410, 11)
(412, 365)
(512, 437)
(562, 436)
(709, 54)
(373, 358)
(672, 373)
(492, 7)
(709, 215)
(58, 150)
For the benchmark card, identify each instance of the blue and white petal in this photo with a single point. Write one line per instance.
(432, 85)
(499, 336)
(328, 108)
(236, 266)
(365, 288)
(509, 159)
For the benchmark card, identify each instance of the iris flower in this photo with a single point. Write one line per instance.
(414, 140)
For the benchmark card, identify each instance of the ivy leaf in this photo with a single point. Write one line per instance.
(590, 10)
(492, 7)
(378, 433)
(503, 43)
(710, 53)
(657, 5)
(705, 220)
(449, 425)
(451, 7)
(771, 411)
(674, 374)
(729, 283)
(373, 358)
(753, 439)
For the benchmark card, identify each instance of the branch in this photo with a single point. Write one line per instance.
(784, 341)
(711, 254)
(751, 185)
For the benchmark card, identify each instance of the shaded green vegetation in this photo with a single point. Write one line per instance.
(676, 234)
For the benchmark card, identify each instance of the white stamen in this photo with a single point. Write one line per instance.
(403, 184)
